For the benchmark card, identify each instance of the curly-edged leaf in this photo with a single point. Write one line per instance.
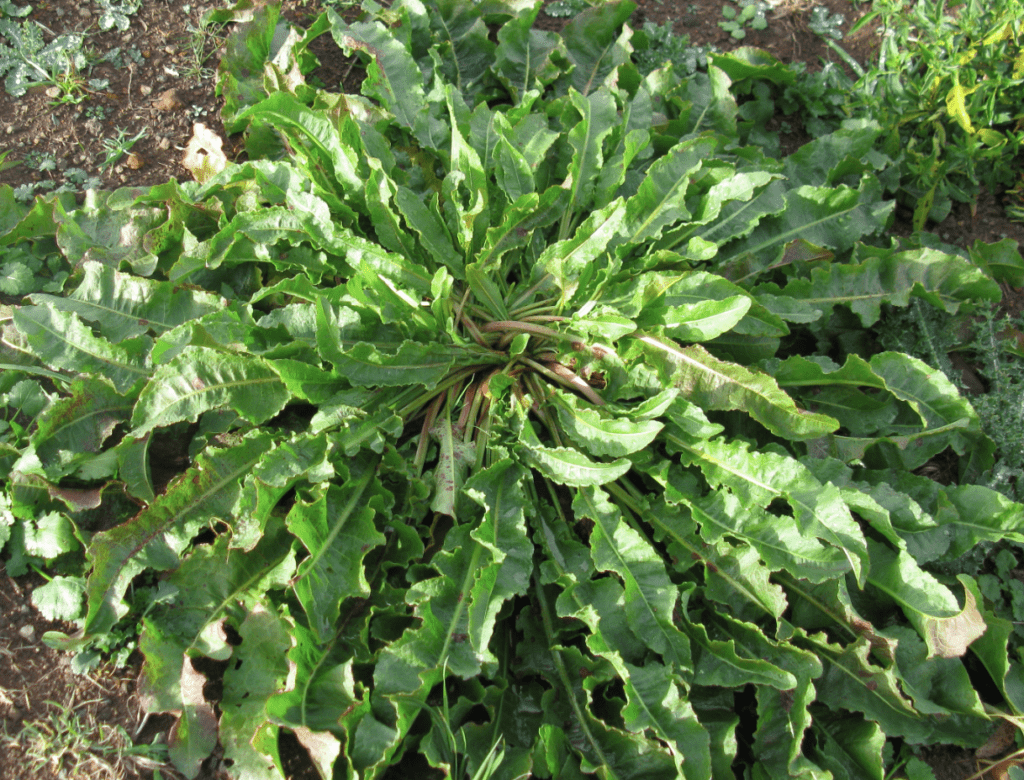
(829, 217)
(413, 364)
(759, 478)
(849, 746)
(392, 75)
(62, 341)
(437, 241)
(719, 662)
(1000, 260)
(259, 670)
(601, 434)
(113, 233)
(520, 221)
(714, 384)
(212, 590)
(852, 682)
(946, 628)
(704, 321)
(124, 306)
(572, 262)
(72, 427)
(337, 529)
(324, 695)
(937, 686)
(199, 380)
(947, 418)
(523, 55)
(240, 71)
(155, 538)
(599, 117)
(502, 531)
(649, 591)
(253, 235)
(656, 701)
(466, 52)
(661, 199)
(571, 467)
(301, 458)
(592, 43)
(777, 539)
(891, 276)
(442, 604)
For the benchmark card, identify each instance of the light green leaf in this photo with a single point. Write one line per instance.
(714, 384)
(602, 435)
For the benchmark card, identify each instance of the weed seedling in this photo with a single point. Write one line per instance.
(119, 147)
(751, 12)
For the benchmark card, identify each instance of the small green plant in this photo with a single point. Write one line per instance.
(949, 86)
(97, 112)
(116, 148)
(117, 15)
(751, 13)
(826, 24)
(663, 45)
(201, 44)
(69, 742)
(28, 60)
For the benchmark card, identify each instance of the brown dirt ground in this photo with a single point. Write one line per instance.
(162, 93)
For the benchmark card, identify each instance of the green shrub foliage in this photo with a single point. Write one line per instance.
(514, 389)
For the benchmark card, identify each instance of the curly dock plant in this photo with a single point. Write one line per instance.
(504, 389)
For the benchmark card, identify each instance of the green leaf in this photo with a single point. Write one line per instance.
(413, 364)
(62, 341)
(714, 384)
(947, 628)
(247, 733)
(571, 467)
(125, 306)
(602, 435)
(72, 427)
(592, 44)
(648, 590)
(337, 530)
(888, 276)
(598, 118)
(199, 380)
(393, 78)
(156, 537)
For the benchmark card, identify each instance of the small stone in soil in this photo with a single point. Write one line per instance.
(27, 632)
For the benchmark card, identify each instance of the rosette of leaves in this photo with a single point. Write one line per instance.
(500, 394)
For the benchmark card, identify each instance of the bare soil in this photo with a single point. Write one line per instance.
(162, 85)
